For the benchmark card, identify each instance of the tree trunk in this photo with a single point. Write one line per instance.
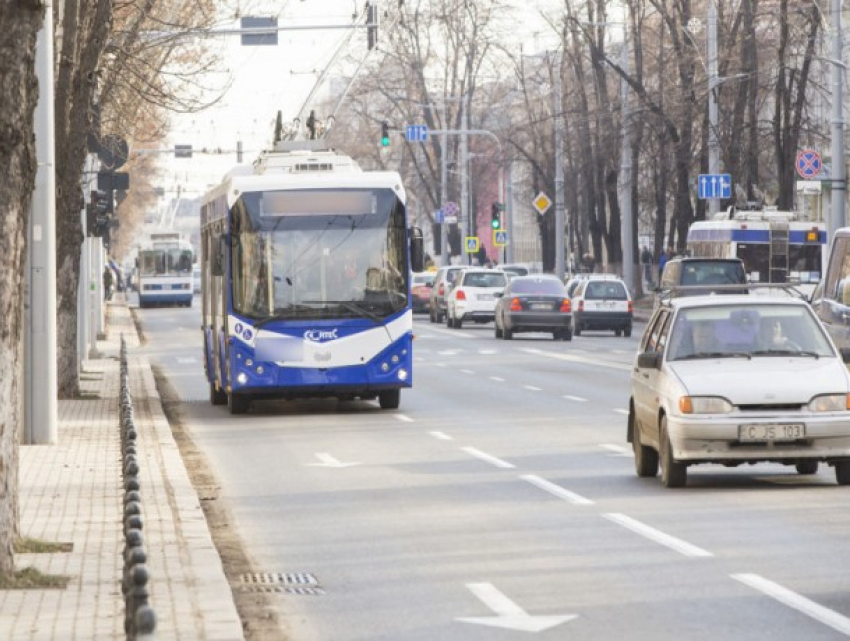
(21, 21)
(85, 31)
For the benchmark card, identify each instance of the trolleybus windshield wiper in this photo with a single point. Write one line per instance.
(351, 306)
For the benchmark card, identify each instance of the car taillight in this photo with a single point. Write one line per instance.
(565, 305)
(442, 290)
(581, 306)
(630, 307)
(516, 306)
(460, 295)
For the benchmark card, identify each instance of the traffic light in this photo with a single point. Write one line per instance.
(385, 134)
(371, 25)
(496, 215)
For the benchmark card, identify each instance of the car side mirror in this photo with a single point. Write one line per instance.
(499, 294)
(845, 354)
(649, 360)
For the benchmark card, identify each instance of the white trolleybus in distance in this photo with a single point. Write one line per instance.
(776, 246)
(164, 270)
(305, 281)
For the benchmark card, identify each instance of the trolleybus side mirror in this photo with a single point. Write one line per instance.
(417, 250)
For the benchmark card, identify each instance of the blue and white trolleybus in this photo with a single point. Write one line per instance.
(164, 274)
(305, 268)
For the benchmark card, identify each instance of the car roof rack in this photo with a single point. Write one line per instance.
(789, 289)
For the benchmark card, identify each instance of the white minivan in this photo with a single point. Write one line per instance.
(831, 298)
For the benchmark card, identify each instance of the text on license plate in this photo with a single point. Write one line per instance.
(540, 306)
(771, 432)
(486, 296)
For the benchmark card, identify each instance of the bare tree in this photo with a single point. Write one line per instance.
(21, 21)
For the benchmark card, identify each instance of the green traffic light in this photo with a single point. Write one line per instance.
(495, 223)
(385, 141)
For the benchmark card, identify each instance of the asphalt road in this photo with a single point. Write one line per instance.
(500, 500)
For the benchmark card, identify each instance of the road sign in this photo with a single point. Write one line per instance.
(450, 220)
(715, 186)
(471, 244)
(439, 217)
(541, 203)
(416, 133)
(451, 209)
(809, 163)
(500, 237)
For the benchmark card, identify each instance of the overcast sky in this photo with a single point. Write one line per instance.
(267, 79)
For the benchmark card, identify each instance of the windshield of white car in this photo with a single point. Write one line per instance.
(752, 330)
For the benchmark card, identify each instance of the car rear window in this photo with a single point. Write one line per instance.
(547, 286)
(485, 279)
(713, 273)
(605, 290)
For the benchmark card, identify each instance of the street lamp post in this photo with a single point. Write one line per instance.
(713, 83)
(838, 176)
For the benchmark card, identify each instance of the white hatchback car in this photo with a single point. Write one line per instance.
(474, 296)
(602, 302)
(738, 379)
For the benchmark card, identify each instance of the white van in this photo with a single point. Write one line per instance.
(831, 298)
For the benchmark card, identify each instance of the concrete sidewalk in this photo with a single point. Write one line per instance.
(73, 492)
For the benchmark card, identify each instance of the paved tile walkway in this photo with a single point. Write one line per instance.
(73, 492)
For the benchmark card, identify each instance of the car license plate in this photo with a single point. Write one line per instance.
(540, 306)
(486, 296)
(771, 432)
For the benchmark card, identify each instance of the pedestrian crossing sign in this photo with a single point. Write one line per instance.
(471, 244)
(500, 237)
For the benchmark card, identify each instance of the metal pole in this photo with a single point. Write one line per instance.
(628, 238)
(559, 175)
(465, 212)
(838, 176)
(506, 180)
(713, 143)
(444, 174)
(41, 387)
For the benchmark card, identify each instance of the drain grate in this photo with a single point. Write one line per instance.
(294, 583)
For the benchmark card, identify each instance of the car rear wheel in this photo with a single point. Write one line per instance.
(577, 330)
(646, 458)
(628, 331)
(618, 332)
(498, 331)
(807, 467)
(507, 334)
(389, 399)
(673, 474)
(842, 472)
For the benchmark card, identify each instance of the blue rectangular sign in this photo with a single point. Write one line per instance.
(416, 133)
(715, 186)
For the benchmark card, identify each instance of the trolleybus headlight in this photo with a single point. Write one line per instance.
(385, 367)
(402, 374)
(242, 378)
(394, 359)
(249, 362)
(260, 369)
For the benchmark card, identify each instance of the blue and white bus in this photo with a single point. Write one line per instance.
(305, 288)
(164, 270)
(776, 246)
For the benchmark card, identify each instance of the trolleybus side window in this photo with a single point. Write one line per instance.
(837, 287)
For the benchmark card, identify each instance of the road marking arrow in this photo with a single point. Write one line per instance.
(329, 461)
(508, 614)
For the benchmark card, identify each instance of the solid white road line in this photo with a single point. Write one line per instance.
(404, 418)
(658, 536)
(486, 457)
(188, 360)
(793, 600)
(532, 388)
(624, 412)
(556, 490)
(467, 371)
(497, 379)
(618, 450)
(441, 435)
(577, 399)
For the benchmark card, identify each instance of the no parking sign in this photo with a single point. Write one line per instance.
(809, 163)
